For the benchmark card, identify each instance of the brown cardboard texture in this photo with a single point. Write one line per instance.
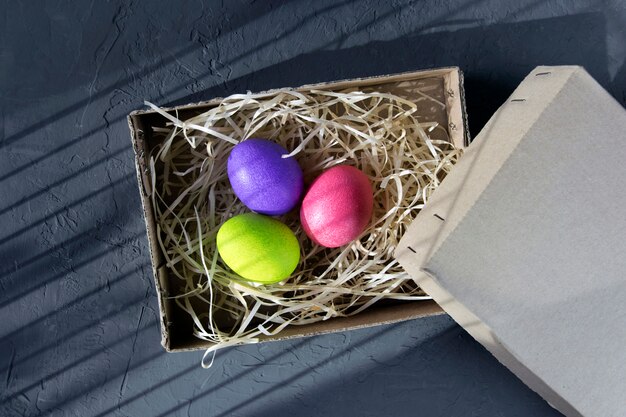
(523, 243)
(176, 325)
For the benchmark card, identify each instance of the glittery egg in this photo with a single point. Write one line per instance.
(262, 179)
(337, 207)
(258, 248)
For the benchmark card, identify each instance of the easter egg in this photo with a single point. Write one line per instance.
(258, 248)
(262, 179)
(337, 207)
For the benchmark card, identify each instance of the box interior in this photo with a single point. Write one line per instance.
(443, 84)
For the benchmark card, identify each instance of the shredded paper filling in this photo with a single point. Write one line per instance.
(382, 134)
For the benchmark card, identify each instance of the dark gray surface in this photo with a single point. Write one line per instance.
(78, 308)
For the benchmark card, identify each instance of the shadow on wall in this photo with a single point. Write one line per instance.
(68, 60)
(618, 87)
(448, 375)
(494, 59)
(232, 18)
(63, 304)
(74, 300)
(419, 376)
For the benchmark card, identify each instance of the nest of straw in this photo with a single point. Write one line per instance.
(381, 133)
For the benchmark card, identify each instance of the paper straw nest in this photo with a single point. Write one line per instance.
(380, 133)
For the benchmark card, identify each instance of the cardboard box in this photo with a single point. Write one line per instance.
(446, 85)
(524, 242)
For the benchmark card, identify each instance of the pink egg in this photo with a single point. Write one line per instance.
(337, 207)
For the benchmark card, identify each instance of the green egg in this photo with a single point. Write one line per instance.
(258, 248)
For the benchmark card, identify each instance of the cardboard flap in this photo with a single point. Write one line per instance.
(524, 242)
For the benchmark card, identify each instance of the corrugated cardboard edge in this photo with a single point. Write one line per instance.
(457, 127)
(454, 94)
(158, 269)
(413, 254)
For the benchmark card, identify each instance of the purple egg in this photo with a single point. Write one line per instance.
(262, 179)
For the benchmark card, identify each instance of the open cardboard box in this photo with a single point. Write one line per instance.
(445, 84)
(524, 242)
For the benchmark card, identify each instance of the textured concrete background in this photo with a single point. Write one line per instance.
(77, 305)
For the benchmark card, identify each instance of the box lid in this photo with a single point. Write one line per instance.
(524, 242)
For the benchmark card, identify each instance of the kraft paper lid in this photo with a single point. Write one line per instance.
(524, 243)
